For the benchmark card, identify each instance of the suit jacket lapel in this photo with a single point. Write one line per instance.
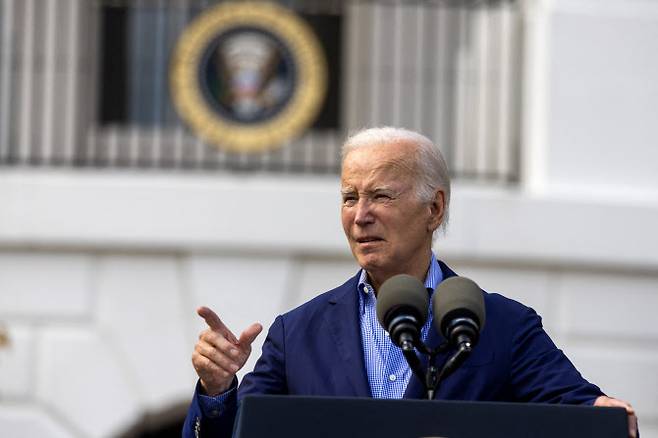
(342, 318)
(446, 271)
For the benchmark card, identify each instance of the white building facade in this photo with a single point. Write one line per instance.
(101, 272)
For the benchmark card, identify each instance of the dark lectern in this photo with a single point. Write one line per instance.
(297, 417)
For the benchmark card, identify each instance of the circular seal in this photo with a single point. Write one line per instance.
(248, 76)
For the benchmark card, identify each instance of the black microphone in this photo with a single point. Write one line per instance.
(459, 314)
(402, 307)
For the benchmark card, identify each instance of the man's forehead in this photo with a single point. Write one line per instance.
(384, 175)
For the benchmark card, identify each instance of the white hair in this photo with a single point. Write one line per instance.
(432, 168)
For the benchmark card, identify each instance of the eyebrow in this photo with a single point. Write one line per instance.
(349, 190)
(383, 189)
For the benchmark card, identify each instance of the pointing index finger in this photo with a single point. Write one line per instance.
(215, 323)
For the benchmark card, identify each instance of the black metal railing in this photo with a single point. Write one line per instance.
(85, 84)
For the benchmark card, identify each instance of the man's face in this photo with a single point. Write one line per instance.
(389, 230)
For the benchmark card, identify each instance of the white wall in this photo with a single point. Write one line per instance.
(102, 298)
(603, 102)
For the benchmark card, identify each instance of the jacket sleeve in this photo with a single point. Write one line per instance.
(269, 374)
(540, 372)
(217, 423)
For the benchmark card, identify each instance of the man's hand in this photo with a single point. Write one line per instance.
(614, 403)
(218, 355)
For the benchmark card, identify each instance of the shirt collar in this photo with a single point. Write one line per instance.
(432, 279)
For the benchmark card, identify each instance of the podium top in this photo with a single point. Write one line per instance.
(296, 417)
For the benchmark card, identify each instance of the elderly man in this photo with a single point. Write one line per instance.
(395, 196)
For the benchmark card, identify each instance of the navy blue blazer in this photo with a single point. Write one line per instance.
(316, 349)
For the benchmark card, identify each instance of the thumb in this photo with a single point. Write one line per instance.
(249, 335)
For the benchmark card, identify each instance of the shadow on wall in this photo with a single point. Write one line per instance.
(167, 423)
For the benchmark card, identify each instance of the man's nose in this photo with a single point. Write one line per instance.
(363, 214)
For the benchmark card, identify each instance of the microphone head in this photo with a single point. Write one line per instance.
(457, 297)
(402, 294)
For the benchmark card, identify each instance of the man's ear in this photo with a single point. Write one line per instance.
(437, 210)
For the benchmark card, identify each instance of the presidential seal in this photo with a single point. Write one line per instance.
(248, 76)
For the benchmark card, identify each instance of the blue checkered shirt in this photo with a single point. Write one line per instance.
(387, 370)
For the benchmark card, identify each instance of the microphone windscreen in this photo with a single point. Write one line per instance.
(402, 292)
(457, 297)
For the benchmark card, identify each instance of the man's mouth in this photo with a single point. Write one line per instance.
(368, 239)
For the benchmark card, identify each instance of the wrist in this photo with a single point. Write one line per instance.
(216, 389)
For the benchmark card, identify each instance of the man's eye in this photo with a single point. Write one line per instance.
(382, 197)
(349, 200)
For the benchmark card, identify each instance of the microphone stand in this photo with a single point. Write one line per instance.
(432, 376)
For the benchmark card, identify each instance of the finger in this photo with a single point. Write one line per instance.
(249, 335)
(230, 362)
(208, 368)
(615, 403)
(632, 426)
(220, 343)
(215, 323)
(213, 378)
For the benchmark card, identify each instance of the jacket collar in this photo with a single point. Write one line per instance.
(342, 318)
